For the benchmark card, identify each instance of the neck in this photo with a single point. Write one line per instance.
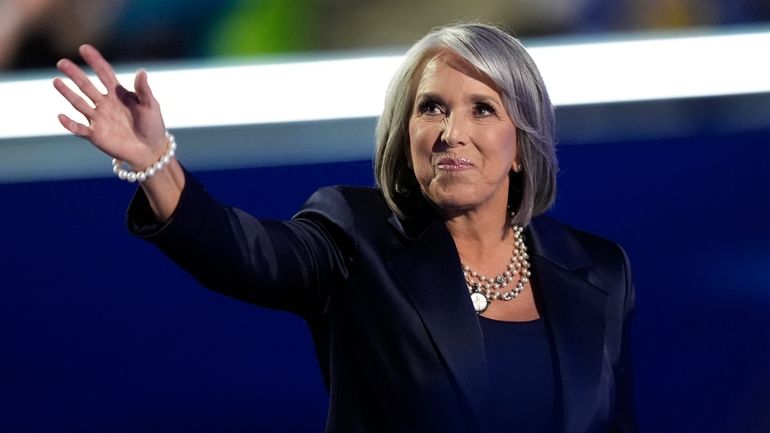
(482, 239)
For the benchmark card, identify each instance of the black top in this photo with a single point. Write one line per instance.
(366, 283)
(522, 373)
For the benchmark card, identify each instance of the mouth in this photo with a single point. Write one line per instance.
(454, 164)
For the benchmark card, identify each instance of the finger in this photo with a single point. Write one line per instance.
(73, 71)
(73, 98)
(142, 88)
(102, 68)
(74, 127)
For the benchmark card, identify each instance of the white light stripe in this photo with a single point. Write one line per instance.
(669, 68)
(579, 73)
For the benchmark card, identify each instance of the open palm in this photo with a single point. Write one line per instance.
(123, 124)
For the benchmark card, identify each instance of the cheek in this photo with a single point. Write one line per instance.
(420, 142)
(415, 133)
(514, 140)
(508, 152)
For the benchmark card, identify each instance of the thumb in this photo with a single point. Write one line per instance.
(142, 87)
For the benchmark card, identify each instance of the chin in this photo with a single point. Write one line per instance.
(455, 198)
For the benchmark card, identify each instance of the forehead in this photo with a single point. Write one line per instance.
(436, 65)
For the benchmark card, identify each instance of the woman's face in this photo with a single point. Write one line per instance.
(462, 142)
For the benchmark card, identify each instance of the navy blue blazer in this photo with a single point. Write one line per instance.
(399, 343)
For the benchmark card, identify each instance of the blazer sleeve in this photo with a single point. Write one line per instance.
(287, 265)
(624, 415)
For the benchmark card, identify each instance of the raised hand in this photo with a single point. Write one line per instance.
(123, 124)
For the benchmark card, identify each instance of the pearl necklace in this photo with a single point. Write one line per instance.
(484, 290)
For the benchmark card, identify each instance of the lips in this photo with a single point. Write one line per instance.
(448, 163)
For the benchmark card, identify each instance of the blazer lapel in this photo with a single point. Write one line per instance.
(429, 270)
(575, 313)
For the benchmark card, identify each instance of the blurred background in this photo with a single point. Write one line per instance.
(36, 33)
(99, 332)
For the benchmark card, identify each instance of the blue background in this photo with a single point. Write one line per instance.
(100, 332)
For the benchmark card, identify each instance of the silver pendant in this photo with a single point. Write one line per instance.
(480, 302)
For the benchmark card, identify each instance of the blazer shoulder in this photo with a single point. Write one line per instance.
(573, 248)
(336, 200)
(347, 207)
(596, 246)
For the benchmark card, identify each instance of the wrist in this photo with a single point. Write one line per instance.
(141, 172)
(149, 153)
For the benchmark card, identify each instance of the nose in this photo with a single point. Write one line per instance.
(454, 132)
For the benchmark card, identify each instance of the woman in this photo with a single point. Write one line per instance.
(441, 301)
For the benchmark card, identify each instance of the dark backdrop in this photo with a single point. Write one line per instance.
(99, 332)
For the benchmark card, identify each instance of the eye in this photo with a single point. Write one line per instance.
(483, 110)
(431, 108)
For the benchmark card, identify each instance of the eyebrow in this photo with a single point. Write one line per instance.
(479, 97)
(429, 95)
(475, 97)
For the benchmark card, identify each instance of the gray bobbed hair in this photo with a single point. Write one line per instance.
(504, 61)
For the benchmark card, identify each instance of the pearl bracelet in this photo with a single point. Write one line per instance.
(141, 176)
